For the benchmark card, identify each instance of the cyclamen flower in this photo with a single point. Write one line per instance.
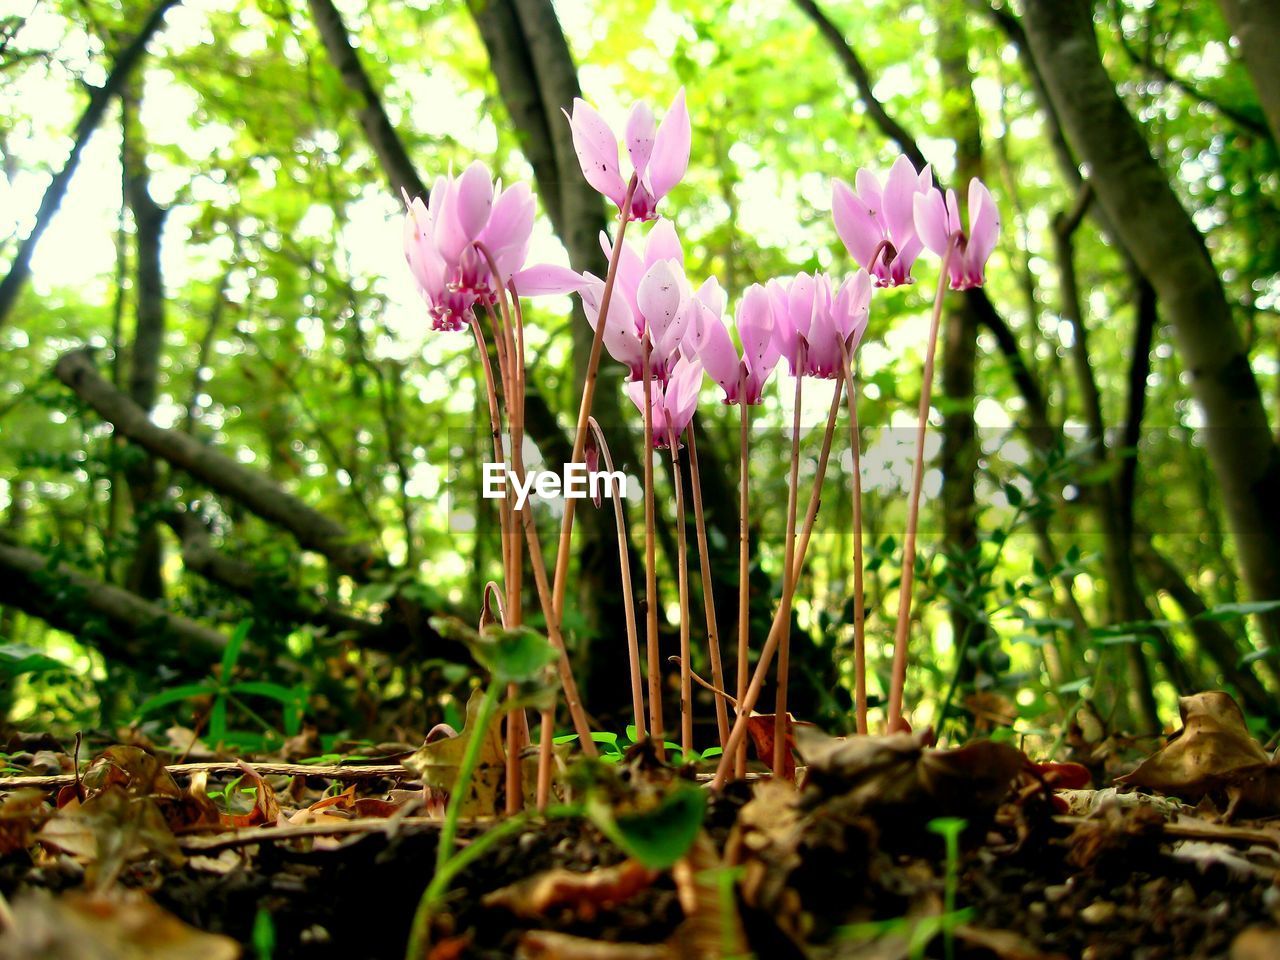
(742, 380)
(673, 403)
(442, 240)
(649, 295)
(659, 154)
(938, 224)
(809, 310)
(877, 225)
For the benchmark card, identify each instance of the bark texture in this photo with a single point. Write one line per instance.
(1256, 24)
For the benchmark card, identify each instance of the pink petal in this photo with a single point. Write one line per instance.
(984, 222)
(658, 298)
(899, 211)
(640, 134)
(662, 244)
(855, 224)
(545, 279)
(670, 157)
(474, 199)
(597, 150)
(711, 295)
(713, 347)
(681, 396)
(870, 193)
(931, 220)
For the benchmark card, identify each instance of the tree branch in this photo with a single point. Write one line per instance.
(99, 100)
(139, 630)
(312, 529)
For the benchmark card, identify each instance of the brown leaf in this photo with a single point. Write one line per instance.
(760, 727)
(122, 925)
(20, 813)
(110, 830)
(138, 772)
(265, 807)
(549, 945)
(973, 778)
(1256, 943)
(1213, 742)
(584, 893)
(437, 763)
(712, 928)
(1003, 944)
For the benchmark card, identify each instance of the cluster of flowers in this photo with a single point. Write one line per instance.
(472, 225)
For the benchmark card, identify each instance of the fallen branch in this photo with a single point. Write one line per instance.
(67, 599)
(254, 489)
(345, 772)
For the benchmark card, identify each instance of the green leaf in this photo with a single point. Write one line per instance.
(262, 688)
(232, 652)
(1237, 611)
(661, 836)
(175, 695)
(16, 659)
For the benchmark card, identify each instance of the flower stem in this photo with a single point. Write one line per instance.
(628, 596)
(898, 682)
(859, 614)
(744, 561)
(682, 576)
(708, 595)
(747, 702)
(651, 561)
(780, 731)
(561, 577)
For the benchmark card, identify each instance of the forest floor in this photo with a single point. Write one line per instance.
(888, 849)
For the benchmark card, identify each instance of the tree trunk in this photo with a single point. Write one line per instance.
(1171, 255)
(1256, 24)
(99, 100)
(144, 577)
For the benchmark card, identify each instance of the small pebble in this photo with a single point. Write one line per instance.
(1099, 913)
(1183, 895)
(1057, 893)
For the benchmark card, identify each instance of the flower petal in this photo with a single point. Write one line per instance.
(670, 157)
(984, 223)
(858, 229)
(474, 199)
(662, 244)
(545, 279)
(658, 298)
(597, 149)
(931, 220)
(640, 134)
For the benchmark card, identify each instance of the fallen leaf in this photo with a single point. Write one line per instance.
(437, 762)
(584, 893)
(1003, 944)
(138, 772)
(1256, 943)
(121, 925)
(705, 886)
(110, 830)
(760, 727)
(21, 812)
(549, 945)
(1213, 742)
(265, 809)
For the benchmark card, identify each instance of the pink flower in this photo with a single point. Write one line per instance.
(443, 240)
(938, 223)
(673, 403)
(658, 272)
(808, 311)
(709, 340)
(877, 224)
(659, 154)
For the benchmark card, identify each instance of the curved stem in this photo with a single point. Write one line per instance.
(902, 628)
(588, 398)
(859, 614)
(708, 595)
(815, 498)
(682, 577)
(651, 561)
(744, 561)
(780, 732)
(628, 597)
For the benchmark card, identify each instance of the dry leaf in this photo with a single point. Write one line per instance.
(1256, 943)
(549, 945)
(138, 772)
(20, 813)
(265, 808)
(123, 925)
(110, 830)
(585, 893)
(712, 928)
(437, 762)
(1212, 743)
